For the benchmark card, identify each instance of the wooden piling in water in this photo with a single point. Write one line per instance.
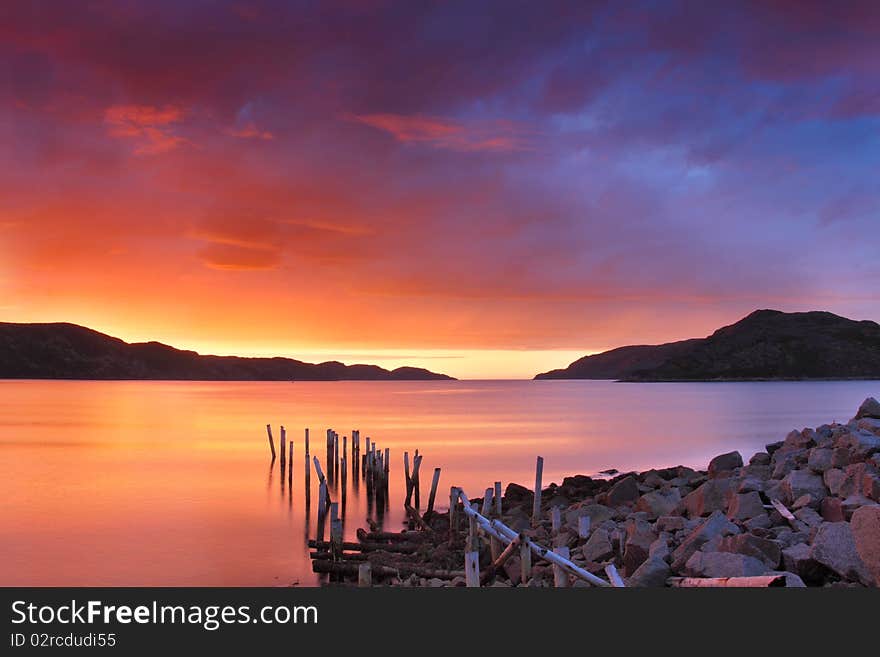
(271, 441)
(407, 479)
(434, 482)
(417, 465)
(283, 449)
(290, 463)
(536, 507)
(487, 502)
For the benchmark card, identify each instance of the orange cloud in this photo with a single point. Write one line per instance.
(149, 126)
(217, 255)
(249, 131)
(499, 136)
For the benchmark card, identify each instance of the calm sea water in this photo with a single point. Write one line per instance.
(168, 483)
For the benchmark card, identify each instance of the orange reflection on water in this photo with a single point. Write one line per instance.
(168, 483)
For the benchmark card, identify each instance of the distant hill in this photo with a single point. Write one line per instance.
(767, 344)
(68, 351)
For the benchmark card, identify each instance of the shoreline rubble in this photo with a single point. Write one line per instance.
(804, 512)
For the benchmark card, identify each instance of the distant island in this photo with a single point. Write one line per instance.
(765, 345)
(69, 351)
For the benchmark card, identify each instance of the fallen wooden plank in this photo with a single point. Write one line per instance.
(760, 581)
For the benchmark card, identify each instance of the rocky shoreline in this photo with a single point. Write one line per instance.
(807, 508)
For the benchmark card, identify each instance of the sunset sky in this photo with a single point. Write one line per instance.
(487, 189)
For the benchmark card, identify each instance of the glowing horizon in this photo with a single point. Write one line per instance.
(382, 179)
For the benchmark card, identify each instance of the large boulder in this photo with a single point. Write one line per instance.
(597, 513)
(750, 545)
(712, 496)
(659, 502)
(820, 460)
(835, 548)
(854, 479)
(744, 506)
(869, 408)
(624, 491)
(715, 527)
(803, 482)
(724, 464)
(861, 444)
(723, 564)
(834, 479)
(652, 573)
(865, 526)
(598, 547)
(639, 537)
(796, 558)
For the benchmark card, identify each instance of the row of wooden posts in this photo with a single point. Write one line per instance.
(374, 466)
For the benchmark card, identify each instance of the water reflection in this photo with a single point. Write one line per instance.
(156, 483)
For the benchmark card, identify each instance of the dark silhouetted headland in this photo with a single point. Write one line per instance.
(766, 344)
(68, 351)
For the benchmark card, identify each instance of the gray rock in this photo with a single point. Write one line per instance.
(625, 490)
(710, 497)
(639, 537)
(802, 482)
(660, 548)
(800, 439)
(808, 516)
(797, 559)
(760, 458)
(744, 506)
(659, 502)
(758, 522)
(869, 408)
(853, 503)
(834, 547)
(714, 527)
(861, 444)
(869, 424)
(670, 523)
(652, 573)
(792, 581)
(834, 479)
(773, 447)
(865, 526)
(820, 459)
(723, 564)
(597, 513)
(763, 549)
(724, 463)
(853, 481)
(598, 547)
(831, 510)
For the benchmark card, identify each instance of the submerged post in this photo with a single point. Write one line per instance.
(417, 464)
(290, 463)
(283, 448)
(271, 441)
(432, 495)
(539, 472)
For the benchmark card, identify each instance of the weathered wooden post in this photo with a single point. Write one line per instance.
(308, 470)
(434, 482)
(560, 577)
(555, 519)
(453, 512)
(283, 449)
(536, 508)
(335, 533)
(407, 479)
(365, 575)
(525, 559)
(472, 569)
(584, 527)
(271, 441)
(290, 464)
(487, 502)
(498, 499)
(417, 465)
